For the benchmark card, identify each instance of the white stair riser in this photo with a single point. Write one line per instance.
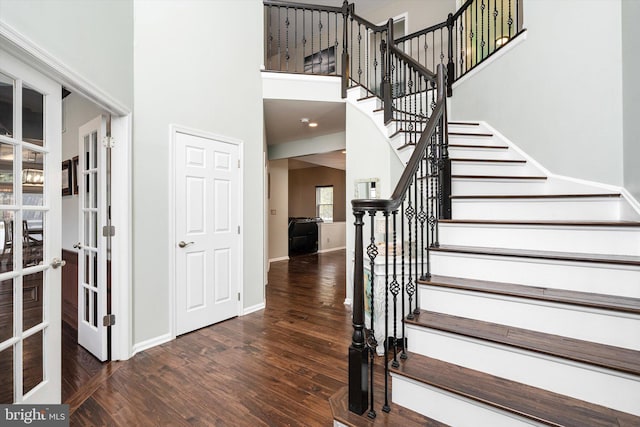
(551, 318)
(577, 380)
(480, 128)
(577, 276)
(570, 209)
(601, 240)
(470, 139)
(493, 169)
(356, 93)
(476, 186)
(487, 186)
(369, 104)
(449, 408)
(483, 153)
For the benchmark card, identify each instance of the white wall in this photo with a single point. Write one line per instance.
(278, 209)
(369, 155)
(76, 111)
(195, 67)
(332, 235)
(558, 95)
(91, 37)
(631, 94)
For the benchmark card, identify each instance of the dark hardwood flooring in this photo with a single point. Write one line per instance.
(276, 367)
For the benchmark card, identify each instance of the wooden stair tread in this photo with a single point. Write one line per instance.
(453, 159)
(534, 196)
(514, 177)
(606, 356)
(538, 254)
(464, 123)
(485, 135)
(398, 416)
(495, 147)
(544, 222)
(521, 399)
(366, 97)
(587, 299)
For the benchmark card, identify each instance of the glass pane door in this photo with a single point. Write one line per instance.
(29, 235)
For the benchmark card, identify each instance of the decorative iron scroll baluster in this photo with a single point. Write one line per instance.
(482, 43)
(279, 37)
(422, 217)
(395, 290)
(372, 252)
(410, 287)
(320, 40)
(312, 49)
(403, 355)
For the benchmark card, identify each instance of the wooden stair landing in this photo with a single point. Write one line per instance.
(605, 356)
(586, 299)
(526, 401)
(547, 255)
(398, 416)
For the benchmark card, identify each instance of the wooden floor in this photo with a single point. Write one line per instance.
(276, 367)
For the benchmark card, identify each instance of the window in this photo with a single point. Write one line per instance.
(324, 203)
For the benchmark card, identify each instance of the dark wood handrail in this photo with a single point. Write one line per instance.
(464, 7)
(368, 24)
(293, 5)
(421, 32)
(413, 64)
(392, 204)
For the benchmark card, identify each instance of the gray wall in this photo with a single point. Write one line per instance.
(631, 94)
(92, 37)
(278, 208)
(558, 95)
(193, 67)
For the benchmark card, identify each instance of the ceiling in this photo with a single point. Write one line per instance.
(282, 119)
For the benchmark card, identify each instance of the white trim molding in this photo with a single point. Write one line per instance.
(253, 308)
(152, 342)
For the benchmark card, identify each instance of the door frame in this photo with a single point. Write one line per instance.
(121, 214)
(174, 130)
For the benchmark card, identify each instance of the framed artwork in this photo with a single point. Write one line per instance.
(66, 178)
(323, 62)
(74, 182)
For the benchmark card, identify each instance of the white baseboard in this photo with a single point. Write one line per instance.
(253, 309)
(347, 301)
(282, 258)
(147, 344)
(339, 248)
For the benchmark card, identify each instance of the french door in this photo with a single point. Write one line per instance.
(30, 233)
(92, 247)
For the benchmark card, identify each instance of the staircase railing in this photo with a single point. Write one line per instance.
(302, 38)
(468, 37)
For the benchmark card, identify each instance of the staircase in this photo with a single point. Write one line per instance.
(519, 289)
(532, 313)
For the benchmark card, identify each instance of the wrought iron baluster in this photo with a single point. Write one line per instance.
(372, 252)
(386, 407)
(359, 54)
(320, 40)
(510, 20)
(403, 355)
(287, 23)
(417, 258)
(410, 287)
(395, 290)
(335, 43)
(482, 43)
(279, 37)
(312, 50)
(422, 217)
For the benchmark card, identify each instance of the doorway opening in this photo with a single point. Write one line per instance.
(85, 209)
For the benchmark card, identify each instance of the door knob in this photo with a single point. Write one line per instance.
(57, 263)
(184, 244)
(78, 245)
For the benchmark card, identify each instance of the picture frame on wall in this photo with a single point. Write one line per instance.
(74, 181)
(66, 178)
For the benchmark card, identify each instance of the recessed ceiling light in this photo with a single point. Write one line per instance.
(344, 151)
(313, 125)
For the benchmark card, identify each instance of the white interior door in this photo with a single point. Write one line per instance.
(207, 231)
(92, 247)
(30, 203)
